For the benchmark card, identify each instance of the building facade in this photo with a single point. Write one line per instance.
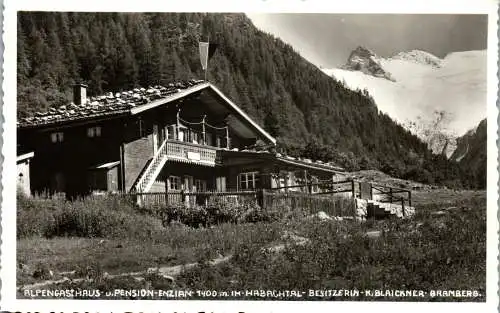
(184, 136)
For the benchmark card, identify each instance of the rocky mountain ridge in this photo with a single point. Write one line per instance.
(366, 61)
(412, 86)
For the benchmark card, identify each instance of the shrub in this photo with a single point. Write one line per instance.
(219, 212)
(253, 213)
(35, 216)
(106, 216)
(223, 211)
(191, 215)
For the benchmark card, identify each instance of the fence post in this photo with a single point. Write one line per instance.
(409, 198)
(305, 181)
(183, 199)
(390, 195)
(371, 191)
(403, 206)
(353, 191)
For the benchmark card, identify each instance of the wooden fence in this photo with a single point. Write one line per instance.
(388, 194)
(328, 199)
(307, 203)
(176, 198)
(333, 198)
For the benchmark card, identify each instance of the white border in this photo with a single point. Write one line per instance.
(8, 263)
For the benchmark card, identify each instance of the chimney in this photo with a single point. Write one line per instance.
(80, 94)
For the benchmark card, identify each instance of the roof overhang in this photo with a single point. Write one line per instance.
(177, 96)
(240, 115)
(312, 166)
(25, 156)
(107, 165)
(294, 163)
(245, 117)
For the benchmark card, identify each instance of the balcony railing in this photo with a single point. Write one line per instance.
(152, 170)
(191, 153)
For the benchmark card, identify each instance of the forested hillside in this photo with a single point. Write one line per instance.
(311, 114)
(471, 153)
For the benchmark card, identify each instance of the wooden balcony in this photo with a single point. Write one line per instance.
(192, 153)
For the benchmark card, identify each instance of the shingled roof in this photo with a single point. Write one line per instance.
(109, 104)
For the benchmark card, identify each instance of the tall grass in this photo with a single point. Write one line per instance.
(427, 253)
(106, 216)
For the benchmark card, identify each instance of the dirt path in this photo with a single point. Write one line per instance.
(168, 272)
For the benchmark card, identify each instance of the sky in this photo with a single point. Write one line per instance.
(326, 40)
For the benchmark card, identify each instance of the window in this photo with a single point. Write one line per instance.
(171, 130)
(201, 185)
(57, 137)
(194, 137)
(209, 139)
(94, 131)
(248, 180)
(175, 182)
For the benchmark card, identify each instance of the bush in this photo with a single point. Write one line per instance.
(219, 212)
(106, 216)
(223, 211)
(254, 213)
(35, 216)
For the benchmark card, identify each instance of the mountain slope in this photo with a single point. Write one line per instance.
(289, 96)
(423, 84)
(471, 153)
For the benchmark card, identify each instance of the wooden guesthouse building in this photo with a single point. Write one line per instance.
(185, 136)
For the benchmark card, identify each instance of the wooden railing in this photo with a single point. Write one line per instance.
(392, 194)
(191, 152)
(176, 197)
(289, 202)
(354, 189)
(152, 170)
(176, 150)
(332, 197)
(323, 187)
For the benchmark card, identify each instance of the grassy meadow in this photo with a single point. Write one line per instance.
(442, 248)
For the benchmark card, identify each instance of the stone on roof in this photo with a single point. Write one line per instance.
(107, 104)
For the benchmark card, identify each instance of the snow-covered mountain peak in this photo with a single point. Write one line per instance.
(366, 61)
(422, 84)
(363, 53)
(419, 57)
